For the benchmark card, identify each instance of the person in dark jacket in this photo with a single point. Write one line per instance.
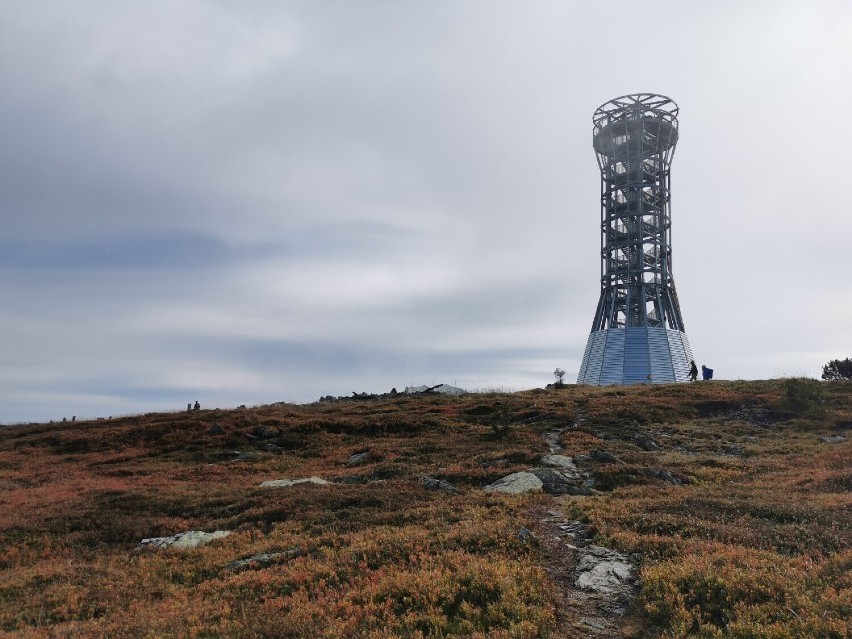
(693, 371)
(706, 373)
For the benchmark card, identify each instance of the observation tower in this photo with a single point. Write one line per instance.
(638, 334)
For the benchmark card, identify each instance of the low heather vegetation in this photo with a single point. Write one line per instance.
(733, 498)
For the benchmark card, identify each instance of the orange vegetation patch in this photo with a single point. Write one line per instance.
(741, 518)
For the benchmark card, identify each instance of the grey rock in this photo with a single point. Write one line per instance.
(215, 429)
(663, 475)
(602, 570)
(645, 443)
(264, 559)
(184, 540)
(526, 535)
(430, 483)
(554, 482)
(573, 529)
(604, 457)
(284, 483)
(836, 439)
(358, 458)
(564, 463)
(249, 455)
(516, 483)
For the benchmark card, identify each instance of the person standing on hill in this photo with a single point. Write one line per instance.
(693, 371)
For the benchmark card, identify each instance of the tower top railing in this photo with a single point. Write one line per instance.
(636, 106)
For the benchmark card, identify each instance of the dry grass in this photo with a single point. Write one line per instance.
(754, 541)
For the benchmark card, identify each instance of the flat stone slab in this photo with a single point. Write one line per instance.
(189, 539)
(264, 559)
(602, 570)
(516, 483)
(284, 483)
(562, 462)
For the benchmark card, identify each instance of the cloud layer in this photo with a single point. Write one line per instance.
(276, 201)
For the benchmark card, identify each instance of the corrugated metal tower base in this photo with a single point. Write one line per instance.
(637, 355)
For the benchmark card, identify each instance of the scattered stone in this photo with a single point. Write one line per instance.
(215, 429)
(526, 535)
(249, 455)
(516, 483)
(264, 559)
(358, 458)
(645, 443)
(604, 457)
(564, 463)
(573, 529)
(835, 439)
(189, 539)
(663, 475)
(602, 570)
(431, 483)
(284, 483)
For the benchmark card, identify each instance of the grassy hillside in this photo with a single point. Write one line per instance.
(738, 515)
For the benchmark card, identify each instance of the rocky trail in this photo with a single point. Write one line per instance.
(596, 585)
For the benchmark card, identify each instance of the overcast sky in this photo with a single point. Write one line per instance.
(249, 202)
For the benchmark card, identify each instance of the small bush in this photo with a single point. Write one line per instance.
(803, 393)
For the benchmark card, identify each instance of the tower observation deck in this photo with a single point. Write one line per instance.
(638, 334)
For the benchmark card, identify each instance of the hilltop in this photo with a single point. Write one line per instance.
(729, 501)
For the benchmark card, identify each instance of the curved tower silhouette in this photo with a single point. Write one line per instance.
(638, 334)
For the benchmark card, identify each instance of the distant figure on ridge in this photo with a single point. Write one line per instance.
(706, 373)
(693, 370)
(197, 405)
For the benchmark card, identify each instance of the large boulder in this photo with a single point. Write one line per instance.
(516, 483)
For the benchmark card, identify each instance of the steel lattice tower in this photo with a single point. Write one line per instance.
(637, 334)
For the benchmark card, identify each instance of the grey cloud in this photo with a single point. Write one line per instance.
(277, 200)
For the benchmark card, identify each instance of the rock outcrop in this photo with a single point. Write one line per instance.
(284, 483)
(516, 483)
(189, 539)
